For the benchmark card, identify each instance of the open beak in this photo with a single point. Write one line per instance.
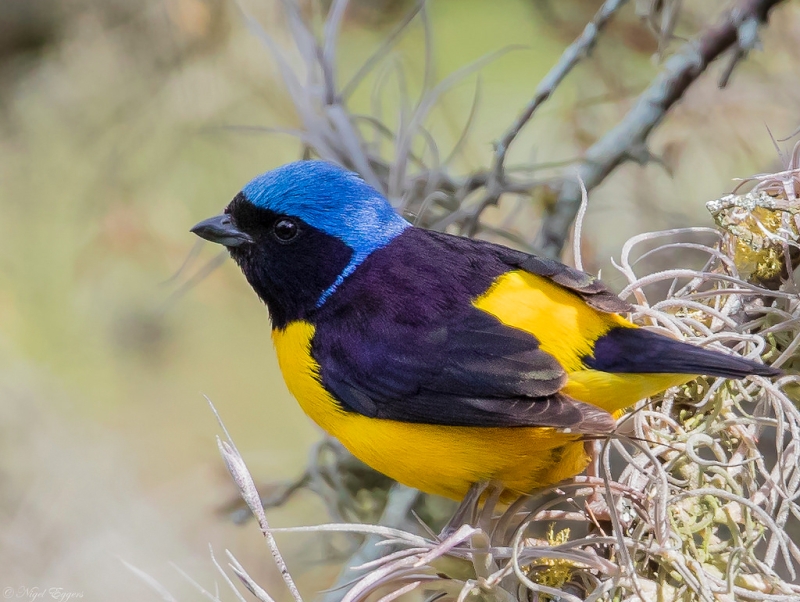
(222, 230)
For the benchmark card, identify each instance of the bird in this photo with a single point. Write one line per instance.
(441, 361)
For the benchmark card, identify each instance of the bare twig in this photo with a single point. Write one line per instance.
(628, 139)
(395, 514)
(275, 499)
(247, 488)
(151, 581)
(576, 51)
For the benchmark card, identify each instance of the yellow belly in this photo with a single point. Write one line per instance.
(446, 460)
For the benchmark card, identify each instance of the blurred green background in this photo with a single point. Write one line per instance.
(116, 137)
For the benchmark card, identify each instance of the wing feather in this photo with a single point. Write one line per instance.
(590, 289)
(475, 372)
(402, 340)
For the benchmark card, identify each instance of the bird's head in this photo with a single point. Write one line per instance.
(298, 231)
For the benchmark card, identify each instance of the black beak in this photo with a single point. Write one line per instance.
(222, 230)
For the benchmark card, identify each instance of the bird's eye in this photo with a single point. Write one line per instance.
(285, 230)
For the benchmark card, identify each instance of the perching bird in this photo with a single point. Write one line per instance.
(438, 360)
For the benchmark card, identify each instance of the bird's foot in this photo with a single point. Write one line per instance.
(596, 502)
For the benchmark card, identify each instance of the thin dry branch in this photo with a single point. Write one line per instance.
(244, 481)
(395, 514)
(627, 141)
(580, 48)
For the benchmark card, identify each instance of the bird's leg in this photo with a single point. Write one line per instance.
(594, 448)
(596, 505)
(467, 511)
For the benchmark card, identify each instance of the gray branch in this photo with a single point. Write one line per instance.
(579, 49)
(497, 184)
(627, 141)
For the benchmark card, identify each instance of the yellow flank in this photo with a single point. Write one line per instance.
(614, 392)
(444, 460)
(567, 329)
(565, 326)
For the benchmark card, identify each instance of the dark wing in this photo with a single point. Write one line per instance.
(472, 371)
(593, 291)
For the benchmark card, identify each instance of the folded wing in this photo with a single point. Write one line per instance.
(473, 371)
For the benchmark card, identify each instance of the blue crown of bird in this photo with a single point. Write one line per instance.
(441, 361)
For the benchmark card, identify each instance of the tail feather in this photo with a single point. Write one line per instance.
(639, 351)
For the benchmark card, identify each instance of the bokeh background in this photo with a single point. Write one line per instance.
(124, 122)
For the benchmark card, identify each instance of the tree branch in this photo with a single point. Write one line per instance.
(628, 139)
(579, 49)
(497, 184)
